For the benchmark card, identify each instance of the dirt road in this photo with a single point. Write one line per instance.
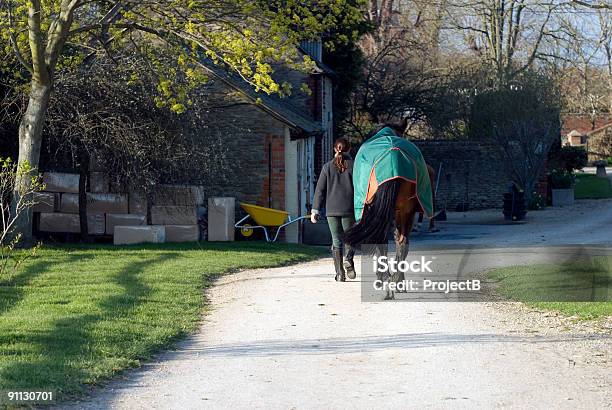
(293, 338)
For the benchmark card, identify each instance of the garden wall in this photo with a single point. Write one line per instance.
(472, 173)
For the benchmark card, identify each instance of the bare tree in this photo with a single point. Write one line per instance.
(507, 34)
(10, 173)
(584, 78)
(599, 4)
(524, 121)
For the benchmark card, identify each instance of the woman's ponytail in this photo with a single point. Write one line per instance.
(341, 146)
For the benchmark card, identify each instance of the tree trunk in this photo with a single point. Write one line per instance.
(30, 140)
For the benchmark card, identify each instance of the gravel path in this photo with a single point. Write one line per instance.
(293, 338)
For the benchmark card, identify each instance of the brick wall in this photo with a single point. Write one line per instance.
(275, 197)
(471, 172)
(246, 131)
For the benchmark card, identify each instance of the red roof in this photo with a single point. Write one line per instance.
(596, 130)
(582, 123)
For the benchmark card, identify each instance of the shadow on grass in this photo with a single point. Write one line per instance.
(579, 280)
(246, 246)
(68, 352)
(12, 287)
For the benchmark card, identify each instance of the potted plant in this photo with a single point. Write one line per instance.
(514, 204)
(562, 184)
(564, 162)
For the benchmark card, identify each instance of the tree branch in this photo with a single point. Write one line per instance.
(599, 6)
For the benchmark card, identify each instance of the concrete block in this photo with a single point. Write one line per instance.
(221, 219)
(174, 215)
(562, 197)
(126, 235)
(61, 182)
(45, 202)
(69, 204)
(182, 233)
(107, 203)
(137, 203)
(199, 195)
(98, 182)
(176, 195)
(113, 220)
(96, 224)
(97, 203)
(59, 222)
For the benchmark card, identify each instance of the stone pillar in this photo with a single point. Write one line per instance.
(601, 169)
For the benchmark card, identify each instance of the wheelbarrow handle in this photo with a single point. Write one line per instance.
(289, 222)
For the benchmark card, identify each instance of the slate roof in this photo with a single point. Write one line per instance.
(272, 104)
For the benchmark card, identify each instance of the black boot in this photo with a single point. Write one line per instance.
(337, 253)
(349, 265)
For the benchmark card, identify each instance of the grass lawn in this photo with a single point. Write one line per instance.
(564, 287)
(77, 315)
(591, 186)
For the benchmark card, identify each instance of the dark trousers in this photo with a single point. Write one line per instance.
(337, 226)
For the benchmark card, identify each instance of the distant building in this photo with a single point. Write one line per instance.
(578, 128)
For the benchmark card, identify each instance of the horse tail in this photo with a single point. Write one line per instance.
(377, 217)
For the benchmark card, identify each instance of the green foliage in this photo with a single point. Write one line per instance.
(609, 160)
(81, 314)
(561, 179)
(246, 36)
(569, 159)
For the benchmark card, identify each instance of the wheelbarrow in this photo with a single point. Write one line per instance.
(265, 219)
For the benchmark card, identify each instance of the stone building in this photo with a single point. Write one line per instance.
(278, 145)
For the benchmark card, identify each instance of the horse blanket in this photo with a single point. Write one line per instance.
(385, 157)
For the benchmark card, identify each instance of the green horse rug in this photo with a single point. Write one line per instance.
(385, 157)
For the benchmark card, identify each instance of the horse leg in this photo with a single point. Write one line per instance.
(382, 250)
(432, 177)
(403, 226)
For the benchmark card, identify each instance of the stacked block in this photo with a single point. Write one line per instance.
(173, 211)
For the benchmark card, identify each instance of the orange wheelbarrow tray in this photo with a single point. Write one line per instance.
(265, 218)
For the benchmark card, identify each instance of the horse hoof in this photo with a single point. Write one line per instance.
(350, 270)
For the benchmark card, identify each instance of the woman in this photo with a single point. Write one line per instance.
(335, 192)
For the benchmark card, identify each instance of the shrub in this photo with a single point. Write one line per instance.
(561, 179)
(569, 159)
(537, 201)
(523, 119)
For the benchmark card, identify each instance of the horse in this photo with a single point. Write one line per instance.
(391, 203)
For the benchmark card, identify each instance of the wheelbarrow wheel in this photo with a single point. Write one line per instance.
(246, 231)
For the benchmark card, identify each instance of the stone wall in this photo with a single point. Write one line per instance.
(472, 173)
(246, 132)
